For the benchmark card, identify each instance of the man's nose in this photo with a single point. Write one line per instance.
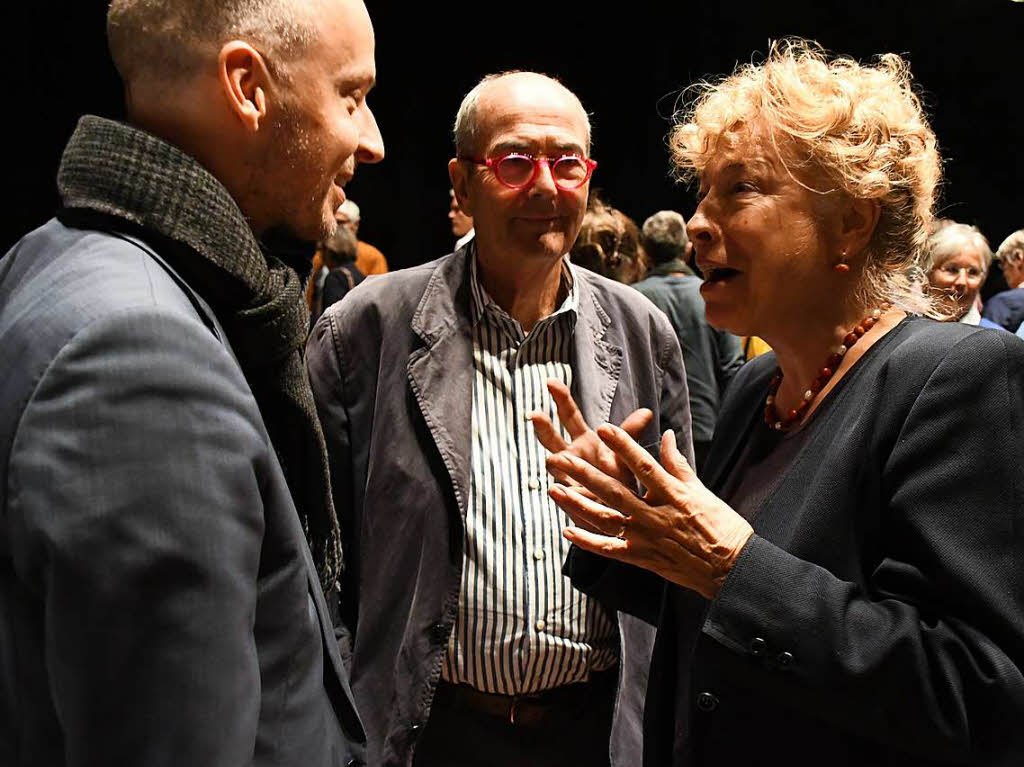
(371, 143)
(544, 183)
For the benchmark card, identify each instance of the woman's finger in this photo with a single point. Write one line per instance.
(637, 421)
(607, 489)
(568, 413)
(606, 546)
(675, 463)
(546, 432)
(589, 513)
(647, 471)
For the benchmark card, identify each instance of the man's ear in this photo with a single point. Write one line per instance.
(458, 173)
(244, 80)
(857, 225)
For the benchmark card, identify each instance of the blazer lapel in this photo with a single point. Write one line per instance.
(441, 372)
(598, 358)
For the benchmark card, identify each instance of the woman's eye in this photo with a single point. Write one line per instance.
(744, 186)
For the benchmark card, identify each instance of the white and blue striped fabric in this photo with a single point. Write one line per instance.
(521, 627)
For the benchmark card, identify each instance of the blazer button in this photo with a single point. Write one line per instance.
(354, 763)
(785, 659)
(707, 702)
(758, 647)
(440, 632)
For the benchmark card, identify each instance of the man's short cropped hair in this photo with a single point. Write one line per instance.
(467, 121)
(172, 39)
(664, 237)
(1011, 251)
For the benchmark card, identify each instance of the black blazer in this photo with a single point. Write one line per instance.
(877, 615)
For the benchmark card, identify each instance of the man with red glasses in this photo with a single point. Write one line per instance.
(436, 386)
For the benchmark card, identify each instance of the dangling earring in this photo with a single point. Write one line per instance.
(842, 267)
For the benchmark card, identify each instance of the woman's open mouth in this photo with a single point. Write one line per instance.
(720, 274)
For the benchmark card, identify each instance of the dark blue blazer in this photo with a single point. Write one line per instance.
(158, 602)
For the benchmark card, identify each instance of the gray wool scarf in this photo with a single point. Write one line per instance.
(127, 175)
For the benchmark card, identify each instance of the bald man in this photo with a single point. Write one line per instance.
(469, 646)
(168, 534)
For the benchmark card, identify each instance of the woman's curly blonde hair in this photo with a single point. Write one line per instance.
(860, 125)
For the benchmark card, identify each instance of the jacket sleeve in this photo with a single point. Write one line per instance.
(324, 361)
(135, 516)
(927, 658)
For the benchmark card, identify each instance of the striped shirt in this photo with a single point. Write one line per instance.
(521, 627)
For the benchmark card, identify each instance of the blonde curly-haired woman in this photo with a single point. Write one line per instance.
(847, 585)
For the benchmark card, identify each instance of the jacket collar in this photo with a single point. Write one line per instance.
(444, 314)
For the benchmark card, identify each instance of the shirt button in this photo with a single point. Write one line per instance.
(785, 659)
(538, 554)
(707, 702)
(533, 484)
(540, 625)
(758, 647)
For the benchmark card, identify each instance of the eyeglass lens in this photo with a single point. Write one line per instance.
(516, 170)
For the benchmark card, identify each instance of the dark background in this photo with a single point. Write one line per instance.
(627, 65)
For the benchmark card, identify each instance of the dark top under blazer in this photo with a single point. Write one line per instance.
(158, 603)
(877, 615)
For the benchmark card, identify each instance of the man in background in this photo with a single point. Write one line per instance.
(369, 260)
(162, 463)
(462, 225)
(711, 356)
(1006, 309)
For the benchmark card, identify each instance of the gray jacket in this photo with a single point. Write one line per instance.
(392, 370)
(158, 602)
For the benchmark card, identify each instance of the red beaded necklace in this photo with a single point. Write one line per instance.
(771, 415)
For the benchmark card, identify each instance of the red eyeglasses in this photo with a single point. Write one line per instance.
(518, 171)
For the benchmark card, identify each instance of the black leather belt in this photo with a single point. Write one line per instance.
(528, 709)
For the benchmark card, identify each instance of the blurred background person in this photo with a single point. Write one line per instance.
(462, 223)
(1006, 309)
(343, 275)
(369, 260)
(609, 244)
(959, 258)
(711, 356)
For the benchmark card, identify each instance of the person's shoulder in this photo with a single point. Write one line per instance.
(60, 279)
(394, 295)
(618, 297)
(925, 348)
(1011, 297)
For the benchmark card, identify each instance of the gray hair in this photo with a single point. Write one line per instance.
(950, 239)
(467, 129)
(341, 246)
(1011, 251)
(664, 236)
(167, 40)
(349, 210)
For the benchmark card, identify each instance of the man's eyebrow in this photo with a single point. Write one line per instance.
(365, 79)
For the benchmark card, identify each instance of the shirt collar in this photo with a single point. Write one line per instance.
(482, 304)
